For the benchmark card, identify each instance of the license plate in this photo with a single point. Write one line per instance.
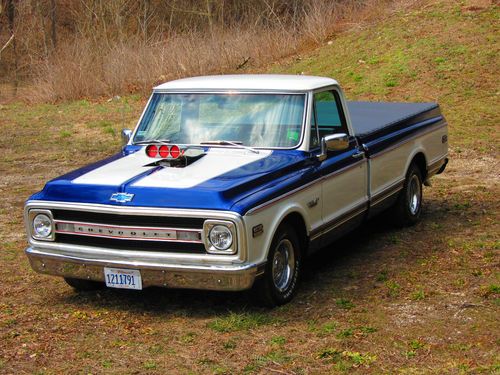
(122, 278)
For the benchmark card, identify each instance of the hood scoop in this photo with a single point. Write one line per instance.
(189, 157)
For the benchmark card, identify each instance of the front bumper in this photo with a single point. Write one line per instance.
(207, 276)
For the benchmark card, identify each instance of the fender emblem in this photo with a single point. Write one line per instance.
(121, 197)
(313, 203)
(257, 230)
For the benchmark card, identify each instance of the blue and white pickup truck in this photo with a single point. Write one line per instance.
(228, 182)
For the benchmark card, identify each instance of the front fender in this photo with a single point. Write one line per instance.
(272, 214)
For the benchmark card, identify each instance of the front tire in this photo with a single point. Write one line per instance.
(83, 285)
(408, 207)
(280, 281)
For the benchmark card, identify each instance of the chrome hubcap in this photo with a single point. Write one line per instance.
(414, 194)
(283, 265)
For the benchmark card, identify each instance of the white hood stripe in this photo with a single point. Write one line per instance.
(216, 162)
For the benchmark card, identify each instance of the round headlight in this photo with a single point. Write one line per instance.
(221, 237)
(42, 226)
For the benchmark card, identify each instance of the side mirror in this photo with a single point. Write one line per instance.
(126, 134)
(333, 142)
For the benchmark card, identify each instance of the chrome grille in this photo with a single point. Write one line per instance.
(125, 219)
(129, 232)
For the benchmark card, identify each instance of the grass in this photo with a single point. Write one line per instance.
(150, 365)
(423, 299)
(346, 360)
(346, 333)
(418, 295)
(240, 321)
(344, 303)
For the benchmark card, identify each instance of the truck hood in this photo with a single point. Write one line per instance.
(218, 180)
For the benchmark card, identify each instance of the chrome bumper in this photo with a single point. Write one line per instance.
(209, 277)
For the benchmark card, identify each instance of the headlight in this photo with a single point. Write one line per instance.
(220, 237)
(42, 225)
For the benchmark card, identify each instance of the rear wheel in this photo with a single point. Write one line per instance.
(408, 207)
(279, 283)
(83, 285)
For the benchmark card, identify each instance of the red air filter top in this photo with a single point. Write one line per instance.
(164, 151)
(175, 151)
(152, 151)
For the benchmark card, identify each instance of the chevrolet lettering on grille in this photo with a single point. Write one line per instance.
(123, 232)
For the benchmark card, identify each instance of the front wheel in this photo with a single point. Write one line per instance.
(408, 207)
(280, 281)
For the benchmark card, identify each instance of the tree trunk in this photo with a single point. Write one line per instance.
(53, 21)
(11, 14)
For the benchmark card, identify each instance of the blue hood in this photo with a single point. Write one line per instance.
(237, 189)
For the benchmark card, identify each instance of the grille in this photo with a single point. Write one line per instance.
(111, 243)
(132, 220)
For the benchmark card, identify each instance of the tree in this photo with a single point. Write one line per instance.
(11, 13)
(52, 15)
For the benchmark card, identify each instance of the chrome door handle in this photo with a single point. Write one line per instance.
(358, 155)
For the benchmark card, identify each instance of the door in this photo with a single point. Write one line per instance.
(344, 173)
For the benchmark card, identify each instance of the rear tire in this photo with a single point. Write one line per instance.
(280, 281)
(408, 207)
(83, 285)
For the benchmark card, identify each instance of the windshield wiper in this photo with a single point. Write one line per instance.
(230, 143)
(162, 141)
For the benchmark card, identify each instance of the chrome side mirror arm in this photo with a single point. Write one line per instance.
(333, 142)
(126, 135)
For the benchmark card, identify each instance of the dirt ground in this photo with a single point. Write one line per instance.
(420, 300)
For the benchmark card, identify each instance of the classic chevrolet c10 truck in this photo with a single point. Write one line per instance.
(228, 182)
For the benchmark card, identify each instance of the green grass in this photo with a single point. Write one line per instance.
(278, 340)
(414, 347)
(418, 295)
(344, 303)
(240, 321)
(346, 333)
(382, 276)
(150, 365)
(346, 360)
(393, 288)
(188, 338)
(329, 354)
(368, 330)
(229, 345)
(328, 328)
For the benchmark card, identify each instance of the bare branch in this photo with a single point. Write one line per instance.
(241, 65)
(7, 43)
(271, 10)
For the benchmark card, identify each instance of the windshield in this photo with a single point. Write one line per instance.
(256, 120)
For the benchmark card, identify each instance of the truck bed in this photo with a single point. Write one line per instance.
(373, 120)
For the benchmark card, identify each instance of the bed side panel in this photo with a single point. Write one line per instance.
(388, 164)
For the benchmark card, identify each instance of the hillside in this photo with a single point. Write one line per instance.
(446, 51)
(424, 299)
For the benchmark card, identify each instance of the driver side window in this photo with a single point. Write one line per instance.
(329, 116)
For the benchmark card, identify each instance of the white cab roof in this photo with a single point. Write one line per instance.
(251, 82)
